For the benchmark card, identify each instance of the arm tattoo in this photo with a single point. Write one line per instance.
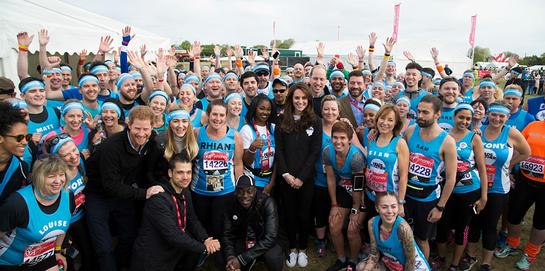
(374, 254)
(405, 235)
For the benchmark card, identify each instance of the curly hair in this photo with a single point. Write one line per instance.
(10, 116)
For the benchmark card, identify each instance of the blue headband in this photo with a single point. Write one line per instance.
(231, 96)
(85, 79)
(190, 86)
(463, 106)
(366, 72)
(32, 85)
(136, 75)
(212, 76)
(426, 74)
(122, 78)
(18, 104)
(512, 91)
(59, 144)
(66, 68)
(69, 106)
(118, 69)
(99, 68)
(178, 114)
(191, 78)
(336, 73)
(437, 81)
(159, 93)
(108, 62)
(487, 84)
(112, 106)
(391, 62)
(230, 75)
(404, 99)
(378, 84)
(56, 70)
(499, 109)
(181, 74)
(397, 83)
(373, 107)
(469, 74)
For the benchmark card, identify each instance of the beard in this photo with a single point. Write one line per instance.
(425, 123)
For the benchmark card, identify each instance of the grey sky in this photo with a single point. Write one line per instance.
(517, 26)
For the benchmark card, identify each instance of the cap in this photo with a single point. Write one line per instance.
(261, 68)
(245, 181)
(281, 81)
(6, 85)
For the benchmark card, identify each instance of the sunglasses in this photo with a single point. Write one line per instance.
(277, 90)
(262, 74)
(20, 138)
(55, 140)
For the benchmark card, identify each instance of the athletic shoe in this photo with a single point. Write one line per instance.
(320, 248)
(467, 263)
(501, 242)
(437, 263)
(506, 251)
(338, 265)
(292, 259)
(453, 268)
(302, 259)
(525, 262)
(485, 267)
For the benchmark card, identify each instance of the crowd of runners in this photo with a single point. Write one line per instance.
(149, 165)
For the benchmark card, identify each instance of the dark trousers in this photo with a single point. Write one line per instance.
(487, 221)
(297, 205)
(273, 258)
(100, 210)
(79, 233)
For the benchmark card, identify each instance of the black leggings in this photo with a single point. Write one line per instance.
(80, 235)
(210, 211)
(526, 193)
(487, 221)
(297, 208)
(321, 205)
(457, 215)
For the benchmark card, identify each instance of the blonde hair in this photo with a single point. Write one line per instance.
(45, 166)
(191, 147)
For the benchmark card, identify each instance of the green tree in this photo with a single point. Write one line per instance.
(481, 54)
(185, 45)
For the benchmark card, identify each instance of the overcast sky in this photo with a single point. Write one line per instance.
(513, 25)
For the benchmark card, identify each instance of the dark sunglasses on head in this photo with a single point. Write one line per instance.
(20, 138)
(281, 90)
(55, 140)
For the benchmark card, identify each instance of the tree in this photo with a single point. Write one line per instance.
(185, 45)
(533, 60)
(481, 54)
(283, 44)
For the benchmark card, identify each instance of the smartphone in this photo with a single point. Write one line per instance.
(358, 183)
(276, 55)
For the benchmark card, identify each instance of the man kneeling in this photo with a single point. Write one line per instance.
(251, 229)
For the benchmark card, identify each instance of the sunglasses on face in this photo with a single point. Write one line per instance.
(277, 90)
(20, 138)
(262, 74)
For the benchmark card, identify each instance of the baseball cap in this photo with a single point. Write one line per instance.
(281, 81)
(245, 181)
(261, 68)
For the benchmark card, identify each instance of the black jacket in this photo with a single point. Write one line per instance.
(157, 169)
(161, 242)
(258, 223)
(116, 169)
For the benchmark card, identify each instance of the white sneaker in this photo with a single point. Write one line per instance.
(292, 259)
(302, 259)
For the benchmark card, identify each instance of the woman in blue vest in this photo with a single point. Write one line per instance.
(63, 146)
(218, 165)
(36, 218)
(158, 102)
(234, 109)
(258, 143)
(14, 141)
(74, 119)
(501, 143)
(470, 192)
(392, 242)
(344, 165)
(403, 105)
(112, 121)
(188, 97)
(370, 110)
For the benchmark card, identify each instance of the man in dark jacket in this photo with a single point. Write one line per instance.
(171, 232)
(116, 185)
(251, 229)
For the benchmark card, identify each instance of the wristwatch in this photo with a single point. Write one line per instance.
(354, 211)
(439, 208)
(401, 201)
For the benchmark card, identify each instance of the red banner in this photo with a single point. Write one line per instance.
(396, 22)
(472, 34)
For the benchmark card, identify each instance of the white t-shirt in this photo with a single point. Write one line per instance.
(248, 137)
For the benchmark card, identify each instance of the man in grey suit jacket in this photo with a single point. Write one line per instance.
(351, 106)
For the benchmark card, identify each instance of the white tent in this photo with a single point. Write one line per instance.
(452, 54)
(71, 29)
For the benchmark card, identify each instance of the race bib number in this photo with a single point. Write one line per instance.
(490, 174)
(376, 181)
(391, 263)
(420, 166)
(466, 178)
(215, 160)
(347, 185)
(79, 198)
(534, 166)
(36, 253)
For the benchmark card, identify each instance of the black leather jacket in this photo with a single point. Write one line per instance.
(259, 223)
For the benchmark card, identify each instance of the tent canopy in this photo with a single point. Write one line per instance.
(71, 29)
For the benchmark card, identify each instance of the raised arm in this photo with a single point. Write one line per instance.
(372, 41)
(360, 51)
(24, 41)
(320, 53)
(43, 39)
(388, 46)
(104, 46)
(229, 52)
(435, 55)
(138, 63)
(510, 64)
(81, 62)
(126, 32)
(196, 52)
(239, 53)
(217, 53)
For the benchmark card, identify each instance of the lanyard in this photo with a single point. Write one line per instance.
(355, 104)
(182, 226)
(268, 138)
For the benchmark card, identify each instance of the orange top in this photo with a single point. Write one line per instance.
(534, 167)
